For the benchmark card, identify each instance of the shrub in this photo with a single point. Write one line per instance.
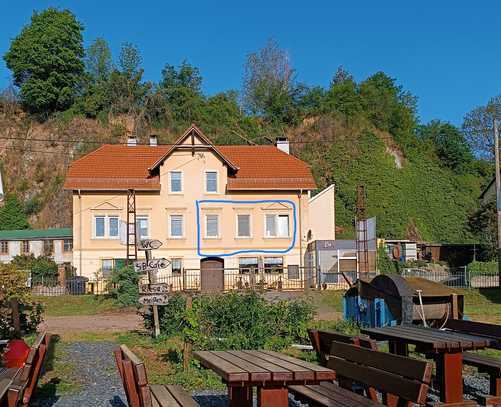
(235, 321)
(41, 267)
(126, 280)
(483, 267)
(13, 283)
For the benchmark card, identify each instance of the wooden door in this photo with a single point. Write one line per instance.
(212, 275)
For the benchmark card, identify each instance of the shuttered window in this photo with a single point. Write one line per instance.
(176, 182)
(212, 225)
(211, 181)
(176, 225)
(243, 225)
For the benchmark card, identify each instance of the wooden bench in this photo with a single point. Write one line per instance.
(401, 381)
(137, 389)
(25, 382)
(322, 342)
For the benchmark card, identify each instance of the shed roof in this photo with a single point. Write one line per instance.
(33, 234)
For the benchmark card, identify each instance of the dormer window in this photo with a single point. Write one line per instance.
(211, 182)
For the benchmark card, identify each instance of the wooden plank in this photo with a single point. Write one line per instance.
(313, 395)
(338, 391)
(163, 397)
(475, 328)
(4, 387)
(228, 371)
(321, 372)
(278, 373)
(450, 343)
(299, 372)
(181, 396)
(473, 340)
(482, 361)
(256, 373)
(399, 365)
(384, 334)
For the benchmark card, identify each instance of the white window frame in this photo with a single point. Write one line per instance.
(181, 179)
(172, 263)
(217, 182)
(23, 243)
(171, 236)
(218, 236)
(6, 243)
(148, 226)
(250, 226)
(70, 241)
(277, 236)
(106, 235)
(94, 227)
(108, 227)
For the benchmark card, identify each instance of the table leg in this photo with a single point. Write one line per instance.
(272, 397)
(240, 396)
(398, 348)
(450, 376)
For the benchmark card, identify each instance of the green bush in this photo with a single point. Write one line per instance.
(126, 290)
(41, 267)
(483, 267)
(236, 321)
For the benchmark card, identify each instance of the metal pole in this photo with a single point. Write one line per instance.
(498, 195)
(156, 321)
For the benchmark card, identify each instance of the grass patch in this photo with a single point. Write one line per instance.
(483, 305)
(68, 305)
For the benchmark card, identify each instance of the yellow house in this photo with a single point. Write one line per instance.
(239, 207)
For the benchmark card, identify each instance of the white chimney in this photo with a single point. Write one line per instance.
(132, 141)
(153, 140)
(282, 143)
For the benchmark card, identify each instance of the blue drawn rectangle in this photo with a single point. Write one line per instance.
(264, 251)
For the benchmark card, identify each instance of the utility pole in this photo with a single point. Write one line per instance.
(498, 194)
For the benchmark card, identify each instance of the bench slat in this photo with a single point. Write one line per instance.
(227, 370)
(299, 372)
(256, 373)
(278, 373)
(181, 396)
(163, 397)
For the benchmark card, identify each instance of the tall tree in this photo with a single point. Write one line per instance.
(270, 89)
(477, 126)
(98, 60)
(46, 60)
(12, 216)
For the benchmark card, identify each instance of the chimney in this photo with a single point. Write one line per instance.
(282, 143)
(153, 140)
(132, 141)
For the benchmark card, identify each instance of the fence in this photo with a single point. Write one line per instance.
(459, 277)
(53, 286)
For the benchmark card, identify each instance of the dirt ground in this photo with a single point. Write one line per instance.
(115, 322)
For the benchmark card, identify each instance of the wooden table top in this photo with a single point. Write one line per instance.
(430, 339)
(6, 376)
(249, 367)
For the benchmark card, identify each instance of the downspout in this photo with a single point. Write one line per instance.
(80, 232)
(300, 231)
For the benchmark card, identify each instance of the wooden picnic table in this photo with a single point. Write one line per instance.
(445, 347)
(6, 376)
(271, 372)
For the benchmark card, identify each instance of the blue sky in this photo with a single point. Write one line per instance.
(445, 52)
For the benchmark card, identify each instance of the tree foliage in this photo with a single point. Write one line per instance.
(12, 215)
(46, 60)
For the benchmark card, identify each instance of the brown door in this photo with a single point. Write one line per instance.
(212, 274)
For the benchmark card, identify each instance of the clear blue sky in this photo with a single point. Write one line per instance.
(445, 52)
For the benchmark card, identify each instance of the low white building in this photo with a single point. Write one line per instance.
(56, 243)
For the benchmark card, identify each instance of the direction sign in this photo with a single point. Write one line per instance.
(149, 244)
(153, 288)
(154, 299)
(144, 266)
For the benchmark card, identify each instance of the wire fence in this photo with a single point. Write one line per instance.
(459, 277)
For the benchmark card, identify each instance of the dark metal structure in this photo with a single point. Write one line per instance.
(361, 231)
(131, 227)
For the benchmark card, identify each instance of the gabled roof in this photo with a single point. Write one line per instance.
(252, 167)
(194, 132)
(34, 234)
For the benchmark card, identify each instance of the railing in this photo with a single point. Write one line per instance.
(54, 286)
(459, 277)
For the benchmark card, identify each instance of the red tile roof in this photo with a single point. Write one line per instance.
(119, 167)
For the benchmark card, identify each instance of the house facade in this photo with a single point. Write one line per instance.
(56, 243)
(239, 207)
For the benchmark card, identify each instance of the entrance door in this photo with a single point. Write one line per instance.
(212, 275)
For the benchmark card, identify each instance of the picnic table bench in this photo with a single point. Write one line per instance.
(400, 380)
(139, 392)
(24, 383)
(446, 348)
(271, 372)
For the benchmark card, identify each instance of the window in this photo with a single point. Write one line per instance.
(113, 230)
(67, 245)
(277, 226)
(248, 265)
(142, 227)
(99, 226)
(4, 247)
(212, 225)
(211, 181)
(176, 225)
(26, 247)
(106, 266)
(177, 266)
(176, 181)
(243, 226)
(273, 264)
(48, 247)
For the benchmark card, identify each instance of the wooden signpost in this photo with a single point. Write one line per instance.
(151, 293)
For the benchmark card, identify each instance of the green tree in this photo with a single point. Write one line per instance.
(12, 216)
(98, 61)
(181, 89)
(46, 60)
(343, 95)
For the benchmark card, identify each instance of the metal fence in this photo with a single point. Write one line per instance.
(54, 286)
(459, 277)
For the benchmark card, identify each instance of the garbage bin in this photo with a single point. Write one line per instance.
(76, 285)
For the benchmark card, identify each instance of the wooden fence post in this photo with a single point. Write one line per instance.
(16, 321)
(187, 343)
